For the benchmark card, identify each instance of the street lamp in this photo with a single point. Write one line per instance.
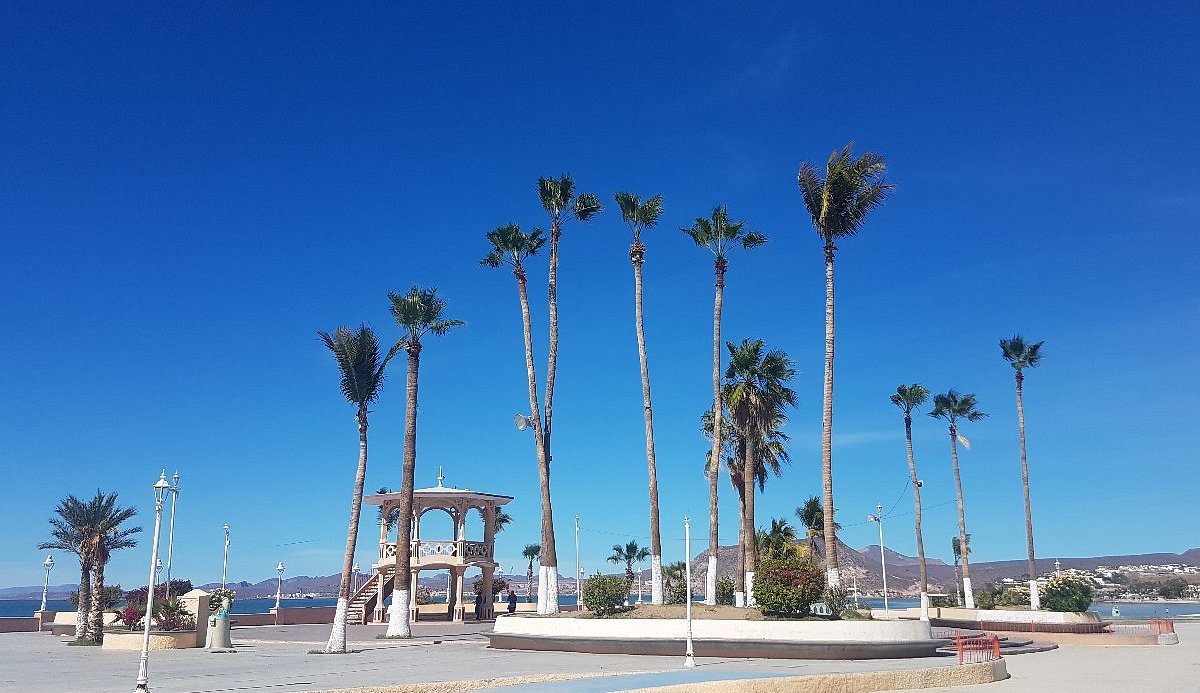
(878, 517)
(689, 657)
(279, 584)
(225, 561)
(353, 579)
(158, 566)
(171, 530)
(160, 492)
(48, 564)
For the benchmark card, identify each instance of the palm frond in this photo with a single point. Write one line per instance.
(1020, 353)
(420, 311)
(360, 366)
(587, 206)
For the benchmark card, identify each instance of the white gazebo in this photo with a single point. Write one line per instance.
(454, 554)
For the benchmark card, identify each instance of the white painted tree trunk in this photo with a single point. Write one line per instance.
(337, 636)
(656, 580)
(831, 577)
(548, 589)
(925, 606)
(710, 582)
(968, 595)
(1035, 599)
(399, 619)
(739, 599)
(750, 601)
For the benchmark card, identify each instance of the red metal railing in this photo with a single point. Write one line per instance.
(977, 648)
(1157, 626)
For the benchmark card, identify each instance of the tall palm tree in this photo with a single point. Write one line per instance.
(628, 554)
(718, 233)
(756, 393)
(558, 198)
(532, 552)
(959, 548)
(418, 312)
(839, 205)
(360, 369)
(908, 398)
(103, 534)
(66, 532)
(639, 216)
(812, 518)
(511, 246)
(1021, 355)
(953, 407)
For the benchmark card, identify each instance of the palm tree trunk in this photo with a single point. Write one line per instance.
(710, 580)
(548, 571)
(749, 536)
(529, 582)
(740, 575)
(400, 620)
(912, 472)
(83, 603)
(831, 561)
(552, 355)
(1035, 601)
(962, 521)
(337, 635)
(96, 611)
(637, 253)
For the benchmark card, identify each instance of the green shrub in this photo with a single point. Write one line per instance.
(725, 588)
(604, 595)
(852, 614)
(1013, 596)
(1066, 592)
(218, 597)
(787, 585)
(986, 597)
(835, 600)
(942, 602)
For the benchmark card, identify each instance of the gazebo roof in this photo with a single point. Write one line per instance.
(439, 493)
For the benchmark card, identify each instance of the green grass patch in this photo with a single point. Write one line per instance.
(82, 642)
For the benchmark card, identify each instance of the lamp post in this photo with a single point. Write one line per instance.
(158, 566)
(160, 492)
(578, 596)
(353, 579)
(278, 584)
(171, 530)
(689, 658)
(878, 517)
(225, 561)
(48, 564)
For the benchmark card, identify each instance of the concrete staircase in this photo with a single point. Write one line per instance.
(362, 605)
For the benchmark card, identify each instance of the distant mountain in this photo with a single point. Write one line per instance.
(35, 592)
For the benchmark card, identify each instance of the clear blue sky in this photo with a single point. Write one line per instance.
(185, 197)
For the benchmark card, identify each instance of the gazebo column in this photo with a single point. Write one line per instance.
(460, 610)
(414, 609)
(378, 614)
(487, 609)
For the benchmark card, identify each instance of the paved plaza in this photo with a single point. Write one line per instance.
(275, 659)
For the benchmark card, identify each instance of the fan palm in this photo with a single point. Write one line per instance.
(628, 554)
(511, 246)
(718, 233)
(558, 198)
(839, 205)
(812, 518)
(756, 394)
(67, 535)
(953, 407)
(908, 398)
(361, 369)
(639, 216)
(532, 552)
(1021, 355)
(418, 313)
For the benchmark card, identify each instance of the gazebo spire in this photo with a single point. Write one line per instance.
(440, 476)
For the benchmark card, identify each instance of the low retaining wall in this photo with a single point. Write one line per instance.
(286, 616)
(864, 682)
(19, 624)
(719, 638)
(132, 641)
(1016, 620)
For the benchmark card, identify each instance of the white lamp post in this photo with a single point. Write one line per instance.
(689, 658)
(278, 584)
(158, 566)
(225, 560)
(353, 579)
(160, 492)
(171, 530)
(48, 564)
(578, 596)
(878, 517)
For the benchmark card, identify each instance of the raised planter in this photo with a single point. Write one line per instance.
(1016, 620)
(131, 641)
(719, 637)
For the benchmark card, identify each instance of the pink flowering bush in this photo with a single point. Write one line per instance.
(788, 586)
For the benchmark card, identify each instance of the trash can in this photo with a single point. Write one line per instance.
(218, 633)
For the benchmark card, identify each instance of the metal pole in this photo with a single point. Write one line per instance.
(689, 658)
(171, 531)
(225, 560)
(578, 594)
(278, 584)
(882, 560)
(160, 488)
(47, 564)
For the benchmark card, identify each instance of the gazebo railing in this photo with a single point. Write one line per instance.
(460, 551)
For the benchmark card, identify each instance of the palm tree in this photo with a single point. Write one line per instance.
(361, 379)
(838, 204)
(559, 199)
(756, 393)
(503, 519)
(779, 540)
(67, 535)
(640, 216)
(1022, 355)
(718, 233)
(628, 554)
(812, 517)
(532, 552)
(908, 398)
(951, 407)
(419, 312)
(960, 548)
(511, 246)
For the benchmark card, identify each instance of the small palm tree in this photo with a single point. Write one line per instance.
(908, 398)
(953, 407)
(779, 541)
(839, 205)
(628, 554)
(718, 233)
(532, 552)
(960, 548)
(503, 520)
(812, 518)
(360, 369)
(67, 535)
(639, 216)
(1021, 355)
(511, 246)
(418, 312)
(757, 394)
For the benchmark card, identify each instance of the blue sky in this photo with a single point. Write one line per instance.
(185, 197)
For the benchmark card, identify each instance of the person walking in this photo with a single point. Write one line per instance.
(512, 602)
